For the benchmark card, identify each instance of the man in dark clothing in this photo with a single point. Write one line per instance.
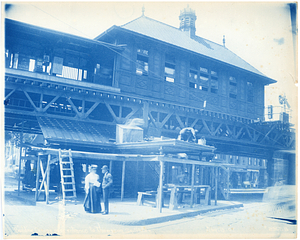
(106, 184)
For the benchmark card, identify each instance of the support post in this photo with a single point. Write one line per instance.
(192, 188)
(48, 179)
(228, 181)
(160, 189)
(37, 177)
(123, 180)
(216, 186)
(20, 158)
(110, 166)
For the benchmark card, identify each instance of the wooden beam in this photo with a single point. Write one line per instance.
(91, 109)
(9, 94)
(228, 187)
(110, 166)
(79, 114)
(239, 133)
(123, 181)
(37, 177)
(179, 121)
(48, 179)
(41, 101)
(160, 187)
(132, 113)
(145, 114)
(214, 133)
(205, 125)
(266, 135)
(165, 120)
(30, 100)
(20, 157)
(192, 187)
(216, 186)
(112, 112)
(247, 129)
(194, 123)
(153, 120)
(49, 104)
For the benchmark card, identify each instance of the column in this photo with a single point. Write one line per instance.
(123, 181)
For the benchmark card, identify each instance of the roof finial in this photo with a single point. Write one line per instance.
(143, 10)
(223, 40)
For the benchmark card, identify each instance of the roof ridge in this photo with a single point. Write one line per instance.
(151, 19)
(154, 20)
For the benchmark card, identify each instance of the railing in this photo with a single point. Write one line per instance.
(99, 75)
(278, 113)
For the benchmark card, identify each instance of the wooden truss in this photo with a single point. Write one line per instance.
(39, 98)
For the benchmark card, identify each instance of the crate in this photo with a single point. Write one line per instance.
(127, 133)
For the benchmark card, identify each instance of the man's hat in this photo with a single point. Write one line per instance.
(94, 166)
(104, 167)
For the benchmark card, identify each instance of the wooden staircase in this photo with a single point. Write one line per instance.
(67, 175)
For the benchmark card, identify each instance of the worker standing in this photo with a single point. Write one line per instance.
(106, 184)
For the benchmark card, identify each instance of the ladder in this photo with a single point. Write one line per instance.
(67, 175)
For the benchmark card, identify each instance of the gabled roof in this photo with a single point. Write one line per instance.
(171, 35)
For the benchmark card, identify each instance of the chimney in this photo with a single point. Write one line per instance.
(187, 19)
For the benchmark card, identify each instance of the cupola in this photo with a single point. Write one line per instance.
(187, 19)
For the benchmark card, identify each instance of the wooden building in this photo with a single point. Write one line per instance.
(74, 91)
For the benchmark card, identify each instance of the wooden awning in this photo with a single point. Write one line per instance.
(57, 130)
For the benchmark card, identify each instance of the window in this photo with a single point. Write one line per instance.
(203, 88)
(142, 62)
(170, 68)
(214, 82)
(193, 74)
(193, 85)
(250, 96)
(232, 87)
(204, 74)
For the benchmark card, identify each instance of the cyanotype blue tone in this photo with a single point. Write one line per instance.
(142, 125)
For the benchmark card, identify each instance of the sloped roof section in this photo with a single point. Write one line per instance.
(168, 34)
(72, 131)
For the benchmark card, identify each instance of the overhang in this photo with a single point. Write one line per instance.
(73, 132)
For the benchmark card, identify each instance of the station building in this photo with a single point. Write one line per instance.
(126, 95)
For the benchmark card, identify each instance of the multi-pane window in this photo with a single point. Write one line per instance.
(203, 79)
(250, 93)
(170, 68)
(232, 87)
(142, 62)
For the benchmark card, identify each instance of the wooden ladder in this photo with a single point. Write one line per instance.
(67, 175)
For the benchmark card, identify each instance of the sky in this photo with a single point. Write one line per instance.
(258, 32)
